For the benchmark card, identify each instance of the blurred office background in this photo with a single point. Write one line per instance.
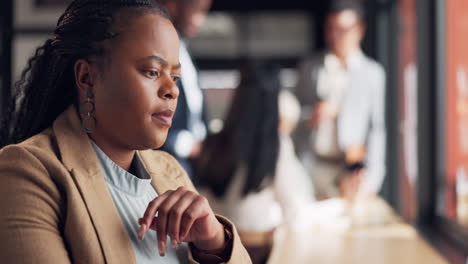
(422, 44)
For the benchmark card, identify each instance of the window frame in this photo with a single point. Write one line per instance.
(450, 238)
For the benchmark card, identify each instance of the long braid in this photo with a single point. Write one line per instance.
(47, 85)
(250, 137)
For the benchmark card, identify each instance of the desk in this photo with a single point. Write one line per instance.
(388, 240)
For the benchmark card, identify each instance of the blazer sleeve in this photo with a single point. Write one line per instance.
(239, 254)
(31, 209)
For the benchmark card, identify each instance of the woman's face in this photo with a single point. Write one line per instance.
(136, 93)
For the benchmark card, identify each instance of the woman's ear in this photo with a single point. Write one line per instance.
(84, 75)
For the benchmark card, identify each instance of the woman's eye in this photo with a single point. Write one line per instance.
(152, 74)
(175, 78)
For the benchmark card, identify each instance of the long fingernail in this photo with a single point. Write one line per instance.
(162, 248)
(141, 233)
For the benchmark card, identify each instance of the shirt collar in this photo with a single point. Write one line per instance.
(353, 61)
(122, 179)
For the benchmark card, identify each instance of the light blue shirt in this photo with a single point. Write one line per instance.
(131, 195)
(361, 115)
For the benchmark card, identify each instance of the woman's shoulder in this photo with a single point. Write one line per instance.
(40, 146)
(30, 167)
(36, 154)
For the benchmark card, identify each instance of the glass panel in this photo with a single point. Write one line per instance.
(455, 189)
(408, 110)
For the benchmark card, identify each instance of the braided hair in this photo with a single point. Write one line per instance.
(47, 84)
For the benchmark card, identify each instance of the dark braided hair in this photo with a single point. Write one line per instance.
(47, 85)
(250, 136)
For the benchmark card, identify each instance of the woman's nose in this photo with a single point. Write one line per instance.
(169, 90)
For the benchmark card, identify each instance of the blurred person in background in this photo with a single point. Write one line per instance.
(79, 179)
(342, 94)
(250, 169)
(189, 125)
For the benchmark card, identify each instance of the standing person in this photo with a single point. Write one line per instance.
(249, 169)
(79, 181)
(189, 126)
(343, 90)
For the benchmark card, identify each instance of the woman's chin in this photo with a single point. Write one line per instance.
(152, 139)
(158, 142)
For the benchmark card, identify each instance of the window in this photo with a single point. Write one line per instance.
(408, 90)
(453, 188)
(433, 115)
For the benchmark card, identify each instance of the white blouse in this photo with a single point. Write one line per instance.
(290, 191)
(131, 195)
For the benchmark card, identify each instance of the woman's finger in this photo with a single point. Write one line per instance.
(162, 218)
(194, 211)
(141, 233)
(153, 207)
(175, 215)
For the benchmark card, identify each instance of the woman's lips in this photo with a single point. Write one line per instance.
(164, 117)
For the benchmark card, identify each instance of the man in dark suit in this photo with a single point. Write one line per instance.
(188, 126)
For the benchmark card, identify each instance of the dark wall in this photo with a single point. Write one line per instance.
(6, 37)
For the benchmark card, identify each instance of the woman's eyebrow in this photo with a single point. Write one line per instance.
(162, 61)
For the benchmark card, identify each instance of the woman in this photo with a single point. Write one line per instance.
(249, 168)
(79, 182)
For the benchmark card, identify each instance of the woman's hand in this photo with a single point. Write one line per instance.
(185, 216)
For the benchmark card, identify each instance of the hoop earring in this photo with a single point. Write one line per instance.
(87, 109)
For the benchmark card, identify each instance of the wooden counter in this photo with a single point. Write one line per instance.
(382, 239)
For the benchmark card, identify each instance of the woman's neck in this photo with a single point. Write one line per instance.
(119, 155)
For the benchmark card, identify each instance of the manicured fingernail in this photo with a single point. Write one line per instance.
(162, 248)
(141, 233)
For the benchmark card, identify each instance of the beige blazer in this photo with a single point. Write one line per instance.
(55, 206)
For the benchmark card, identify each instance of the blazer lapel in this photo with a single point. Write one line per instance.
(80, 159)
(161, 180)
